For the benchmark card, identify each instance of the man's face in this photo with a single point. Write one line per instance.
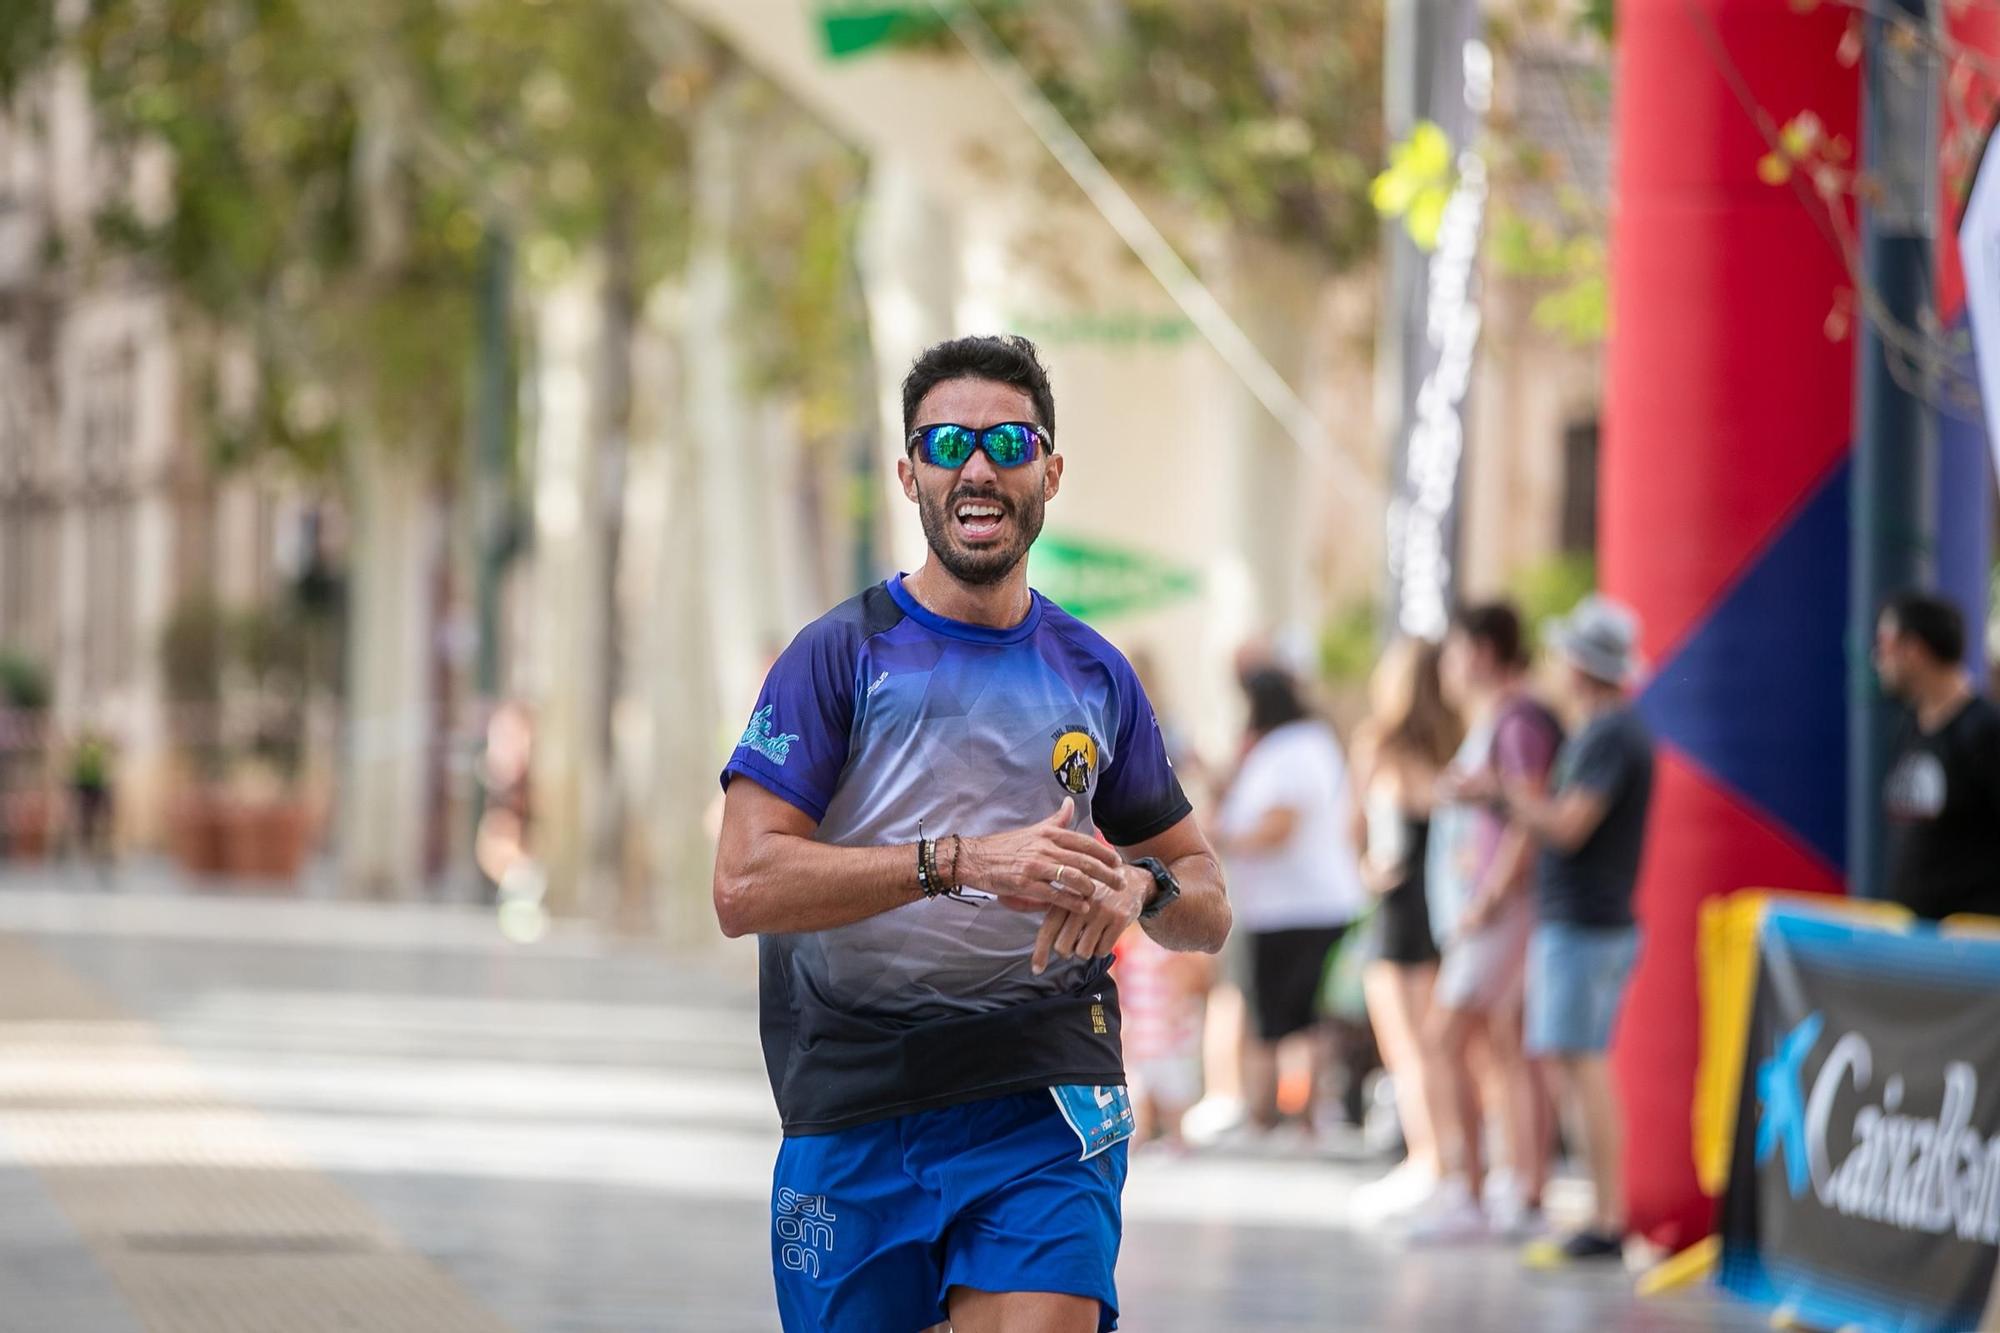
(1892, 656)
(975, 545)
(1576, 684)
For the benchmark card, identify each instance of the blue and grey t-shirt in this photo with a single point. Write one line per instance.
(881, 714)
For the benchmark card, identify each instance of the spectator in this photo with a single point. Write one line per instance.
(91, 794)
(1476, 873)
(1400, 751)
(1592, 829)
(1292, 874)
(1161, 994)
(1943, 792)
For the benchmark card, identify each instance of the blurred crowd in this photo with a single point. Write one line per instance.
(1434, 928)
(1434, 916)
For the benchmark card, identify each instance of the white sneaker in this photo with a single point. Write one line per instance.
(1512, 1216)
(1406, 1189)
(1453, 1218)
(1209, 1119)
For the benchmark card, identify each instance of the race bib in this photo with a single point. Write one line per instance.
(1101, 1114)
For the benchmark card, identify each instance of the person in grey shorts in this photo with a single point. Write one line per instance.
(1476, 875)
(1592, 829)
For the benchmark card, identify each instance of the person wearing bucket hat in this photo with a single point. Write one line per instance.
(1600, 639)
(1592, 827)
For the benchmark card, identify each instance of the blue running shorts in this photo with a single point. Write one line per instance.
(871, 1226)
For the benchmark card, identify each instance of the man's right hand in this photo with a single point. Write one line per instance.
(1050, 862)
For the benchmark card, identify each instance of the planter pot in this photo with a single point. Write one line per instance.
(195, 837)
(30, 824)
(265, 839)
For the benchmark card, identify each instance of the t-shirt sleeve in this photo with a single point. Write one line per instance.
(1138, 796)
(1524, 746)
(1603, 764)
(795, 744)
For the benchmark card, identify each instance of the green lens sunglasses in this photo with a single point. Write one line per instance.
(1009, 444)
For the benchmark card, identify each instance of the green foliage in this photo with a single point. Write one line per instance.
(1417, 184)
(1599, 18)
(27, 35)
(1579, 311)
(1553, 586)
(270, 644)
(1349, 643)
(261, 105)
(193, 648)
(24, 685)
(1570, 260)
(804, 324)
(337, 167)
(1261, 113)
(569, 120)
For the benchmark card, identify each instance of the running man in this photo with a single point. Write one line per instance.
(928, 767)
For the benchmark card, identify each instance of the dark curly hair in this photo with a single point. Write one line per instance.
(1931, 621)
(1275, 699)
(1496, 625)
(1007, 359)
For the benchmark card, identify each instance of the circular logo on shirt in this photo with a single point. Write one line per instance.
(1916, 788)
(1074, 758)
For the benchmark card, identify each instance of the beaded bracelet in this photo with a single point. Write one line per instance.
(927, 876)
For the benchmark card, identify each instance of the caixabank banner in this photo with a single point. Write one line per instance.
(1864, 1187)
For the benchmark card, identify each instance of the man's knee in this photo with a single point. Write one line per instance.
(975, 1311)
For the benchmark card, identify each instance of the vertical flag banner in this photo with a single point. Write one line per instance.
(1979, 256)
(1434, 308)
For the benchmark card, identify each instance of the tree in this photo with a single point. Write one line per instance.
(1259, 112)
(334, 172)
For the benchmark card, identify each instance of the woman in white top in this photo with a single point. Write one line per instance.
(1293, 879)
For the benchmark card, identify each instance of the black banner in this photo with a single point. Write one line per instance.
(1439, 70)
(1864, 1186)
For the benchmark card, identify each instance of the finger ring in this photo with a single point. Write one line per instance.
(1060, 872)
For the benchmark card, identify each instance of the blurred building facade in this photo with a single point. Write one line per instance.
(112, 511)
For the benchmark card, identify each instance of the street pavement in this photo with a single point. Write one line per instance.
(237, 1114)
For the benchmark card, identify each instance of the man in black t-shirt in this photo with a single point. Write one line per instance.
(1942, 796)
(1592, 831)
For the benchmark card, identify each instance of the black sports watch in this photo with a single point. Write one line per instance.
(1165, 887)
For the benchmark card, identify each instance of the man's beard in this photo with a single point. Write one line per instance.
(986, 564)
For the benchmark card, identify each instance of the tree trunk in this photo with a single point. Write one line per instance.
(909, 276)
(384, 794)
(393, 543)
(742, 507)
(611, 427)
(673, 678)
(568, 778)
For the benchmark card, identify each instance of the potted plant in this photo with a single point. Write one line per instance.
(27, 810)
(192, 646)
(267, 827)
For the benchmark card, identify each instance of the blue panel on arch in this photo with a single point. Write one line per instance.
(1757, 692)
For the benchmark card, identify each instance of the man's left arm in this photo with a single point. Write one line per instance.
(1566, 820)
(1196, 922)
